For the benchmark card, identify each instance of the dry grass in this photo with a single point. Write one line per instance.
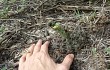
(88, 31)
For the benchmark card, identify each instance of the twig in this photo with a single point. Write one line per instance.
(40, 5)
(102, 12)
(63, 11)
(9, 19)
(88, 8)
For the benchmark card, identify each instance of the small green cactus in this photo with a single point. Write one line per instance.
(57, 27)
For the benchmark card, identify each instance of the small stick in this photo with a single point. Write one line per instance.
(88, 8)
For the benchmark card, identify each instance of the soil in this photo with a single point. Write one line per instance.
(88, 34)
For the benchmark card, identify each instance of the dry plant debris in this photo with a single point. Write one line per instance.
(81, 27)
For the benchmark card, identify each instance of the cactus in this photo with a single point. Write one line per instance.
(58, 27)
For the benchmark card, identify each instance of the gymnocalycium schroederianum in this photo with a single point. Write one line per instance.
(58, 27)
(64, 33)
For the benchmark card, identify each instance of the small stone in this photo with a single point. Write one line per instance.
(29, 41)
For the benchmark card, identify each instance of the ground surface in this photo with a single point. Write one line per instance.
(85, 25)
